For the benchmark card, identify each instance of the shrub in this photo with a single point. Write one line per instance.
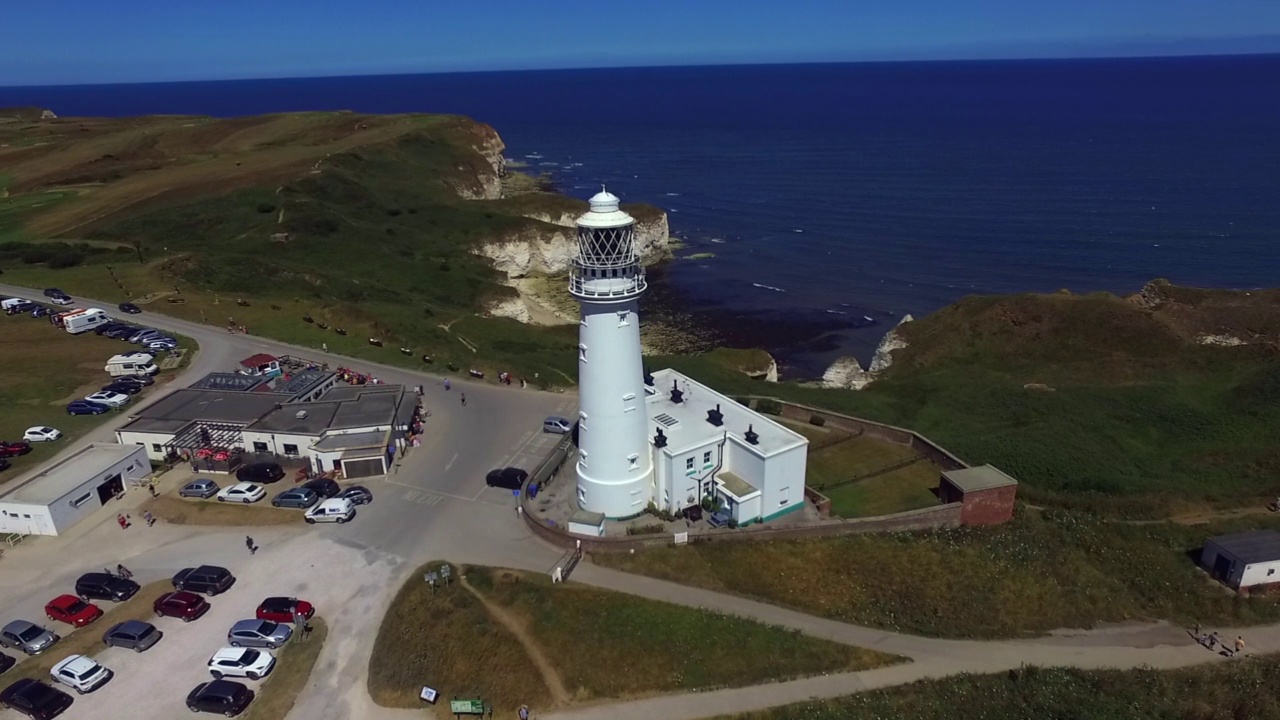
(66, 259)
(651, 529)
(769, 407)
(265, 208)
(817, 420)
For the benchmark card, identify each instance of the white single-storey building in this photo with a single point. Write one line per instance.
(50, 502)
(706, 445)
(1243, 560)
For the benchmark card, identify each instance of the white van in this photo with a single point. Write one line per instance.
(337, 510)
(78, 321)
(132, 364)
(12, 302)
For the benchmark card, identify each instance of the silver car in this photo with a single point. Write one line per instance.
(259, 633)
(134, 635)
(28, 637)
(556, 424)
(202, 488)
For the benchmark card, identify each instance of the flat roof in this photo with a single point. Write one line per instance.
(213, 405)
(254, 361)
(353, 440)
(155, 425)
(303, 382)
(685, 423)
(357, 407)
(586, 517)
(228, 381)
(1249, 547)
(983, 477)
(735, 485)
(66, 475)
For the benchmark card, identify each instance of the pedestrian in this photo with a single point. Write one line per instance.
(523, 713)
(151, 520)
(324, 347)
(519, 511)
(1239, 645)
(123, 572)
(464, 399)
(195, 467)
(248, 543)
(1213, 640)
(122, 522)
(446, 384)
(523, 384)
(151, 487)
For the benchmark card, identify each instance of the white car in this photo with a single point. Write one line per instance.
(241, 662)
(80, 673)
(106, 397)
(337, 510)
(61, 300)
(41, 434)
(242, 492)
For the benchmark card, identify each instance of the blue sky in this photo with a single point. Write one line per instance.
(96, 41)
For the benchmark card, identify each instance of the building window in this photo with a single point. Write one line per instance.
(259, 447)
(582, 353)
(155, 447)
(706, 458)
(624, 318)
(784, 499)
(81, 500)
(634, 460)
(688, 463)
(582, 458)
(290, 449)
(582, 494)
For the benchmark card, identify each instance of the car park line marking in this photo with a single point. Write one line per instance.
(422, 498)
(455, 457)
(433, 492)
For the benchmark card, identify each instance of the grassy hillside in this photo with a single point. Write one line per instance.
(356, 221)
(1238, 690)
(1098, 402)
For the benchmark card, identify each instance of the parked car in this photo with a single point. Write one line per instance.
(220, 696)
(35, 699)
(285, 609)
(28, 637)
(80, 673)
(324, 487)
(105, 586)
(122, 388)
(241, 662)
(54, 292)
(265, 473)
(142, 334)
(121, 333)
(139, 380)
(106, 327)
(299, 497)
(129, 308)
(206, 579)
(41, 434)
(132, 635)
(114, 399)
(40, 311)
(84, 407)
(202, 488)
(72, 611)
(244, 492)
(556, 424)
(510, 478)
(337, 510)
(181, 604)
(14, 449)
(61, 300)
(259, 633)
(357, 494)
(6, 662)
(5, 464)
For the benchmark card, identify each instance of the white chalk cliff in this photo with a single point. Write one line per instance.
(847, 373)
(547, 248)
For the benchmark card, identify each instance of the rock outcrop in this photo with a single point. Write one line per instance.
(487, 181)
(848, 374)
(546, 247)
(511, 307)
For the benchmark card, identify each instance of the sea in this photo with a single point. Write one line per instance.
(819, 204)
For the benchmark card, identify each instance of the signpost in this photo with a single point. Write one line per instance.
(431, 580)
(466, 707)
(444, 572)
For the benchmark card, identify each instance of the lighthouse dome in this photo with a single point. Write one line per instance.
(604, 202)
(605, 212)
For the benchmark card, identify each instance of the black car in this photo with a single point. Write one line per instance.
(35, 699)
(120, 333)
(139, 380)
(130, 308)
(6, 662)
(107, 327)
(206, 579)
(5, 464)
(123, 388)
(260, 473)
(324, 487)
(357, 494)
(509, 478)
(220, 696)
(54, 292)
(104, 586)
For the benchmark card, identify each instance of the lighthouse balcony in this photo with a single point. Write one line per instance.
(611, 288)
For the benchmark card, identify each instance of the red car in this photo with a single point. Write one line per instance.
(283, 609)
(14, 449)
(72, 610)
(181, 604)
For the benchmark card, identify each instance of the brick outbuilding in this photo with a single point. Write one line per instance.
(985, 493)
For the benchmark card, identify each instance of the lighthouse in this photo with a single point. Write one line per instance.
(615, 465)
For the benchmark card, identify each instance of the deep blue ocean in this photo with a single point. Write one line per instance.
(833, 194)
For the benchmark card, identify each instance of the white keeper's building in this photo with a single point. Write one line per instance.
(50, 502)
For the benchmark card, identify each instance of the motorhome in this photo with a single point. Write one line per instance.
(78, 321)
(136, 363)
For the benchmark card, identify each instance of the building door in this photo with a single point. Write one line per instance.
(363, 468)
(1221, 568)
(109, 488)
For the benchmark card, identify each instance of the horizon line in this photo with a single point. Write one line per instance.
(569, 68)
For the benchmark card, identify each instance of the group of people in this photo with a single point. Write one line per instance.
(351, 377)
(1211, 641)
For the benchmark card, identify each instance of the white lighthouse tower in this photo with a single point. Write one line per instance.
(615, 467)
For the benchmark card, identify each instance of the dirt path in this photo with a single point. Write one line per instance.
(559, 693)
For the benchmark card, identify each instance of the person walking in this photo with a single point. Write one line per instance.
(122, 522)
(248, 543)
(123, 572)
(446, 384)
(523, 712)
(1239, 645)
(151, 519)
(324, 347)
(464, 399)
(152, 488)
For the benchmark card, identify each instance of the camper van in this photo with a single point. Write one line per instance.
(14, 302)
(132, 364)
(78, 321)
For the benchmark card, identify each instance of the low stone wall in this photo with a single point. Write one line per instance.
(821, 502)
(924, 519)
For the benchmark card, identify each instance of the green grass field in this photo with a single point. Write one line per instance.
(1040, 572)
(907, 488)
(1238, 690)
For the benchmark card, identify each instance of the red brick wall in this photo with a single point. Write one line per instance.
(988, 507)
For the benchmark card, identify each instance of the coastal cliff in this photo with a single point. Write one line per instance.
(546, 245)
(484, 183)
(847, 372)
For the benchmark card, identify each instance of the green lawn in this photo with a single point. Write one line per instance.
(1039, 572)
(907, 488)
(1238, 690)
